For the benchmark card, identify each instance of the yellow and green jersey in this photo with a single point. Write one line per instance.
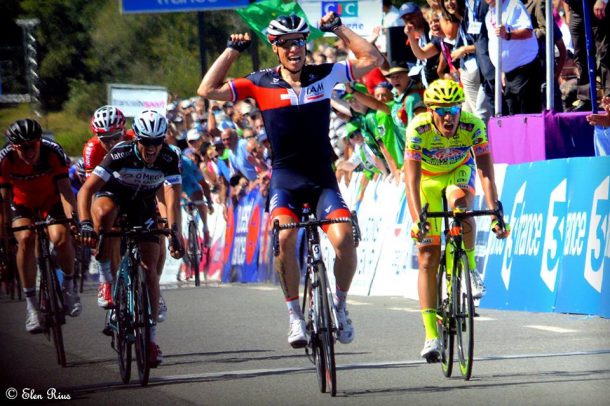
(439, 154)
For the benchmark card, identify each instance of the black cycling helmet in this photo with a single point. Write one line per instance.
(22, 131)
(283, 25)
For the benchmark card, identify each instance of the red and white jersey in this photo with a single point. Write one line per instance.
(94, 152)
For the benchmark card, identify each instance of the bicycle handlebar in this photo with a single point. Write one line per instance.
(459, 215)
(135, 232)
(314, 223)
(40, 224)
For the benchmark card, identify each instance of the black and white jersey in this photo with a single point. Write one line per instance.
(127, 175)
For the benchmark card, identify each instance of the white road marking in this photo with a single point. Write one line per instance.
(214, 376)
(552, 329)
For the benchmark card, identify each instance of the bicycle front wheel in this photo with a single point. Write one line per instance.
(142, 323)
(123, 332)
(444, 319)
(194, 251)
(313, 322)
(326, 330)
(52, 305)
(464, 311)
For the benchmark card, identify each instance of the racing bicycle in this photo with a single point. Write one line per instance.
(130, 320)
(455, 304)
(194, 249)
(50, 296)
(318, 304)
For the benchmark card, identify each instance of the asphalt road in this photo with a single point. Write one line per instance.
(226, 345)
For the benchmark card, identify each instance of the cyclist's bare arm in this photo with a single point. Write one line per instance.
(213, 85)
(412, 169)
(367, 55)
(66, 195)
(172, 195)
(93, 184)
(485, 170)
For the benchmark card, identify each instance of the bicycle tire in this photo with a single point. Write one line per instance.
(55, 316)
(123, 329)
(464, 311)
(142, 325)
(313, 318)
(326, 331)
(194, 254)
(444, 320)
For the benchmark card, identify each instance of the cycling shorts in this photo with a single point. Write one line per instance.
(327, 203)
(431, 192)
(143, 213)
(190, 187)
(53, 212)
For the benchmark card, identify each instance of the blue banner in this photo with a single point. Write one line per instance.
(172, 6)
(559, 247)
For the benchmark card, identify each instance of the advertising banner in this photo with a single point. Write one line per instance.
(172, 6)
(132, 99)
(361, 16)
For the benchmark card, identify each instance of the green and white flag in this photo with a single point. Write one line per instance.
(258, 15)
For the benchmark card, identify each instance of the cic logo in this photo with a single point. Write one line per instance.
(341, 8)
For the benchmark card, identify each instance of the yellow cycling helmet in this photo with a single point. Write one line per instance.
(443, 91)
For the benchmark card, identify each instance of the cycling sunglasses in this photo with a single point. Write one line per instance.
(151, 142)
(26, 146)
(443, 111)
(289, 43)
(109, 137)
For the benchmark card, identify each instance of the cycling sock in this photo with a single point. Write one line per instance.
(340, 297)
(105, 271)
(472, 260)
(429, 317)
(30, 298)
(294, 308)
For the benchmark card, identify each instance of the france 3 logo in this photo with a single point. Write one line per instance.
(341, 8)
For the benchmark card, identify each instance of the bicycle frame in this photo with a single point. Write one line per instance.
(455, 312)
(317, 296)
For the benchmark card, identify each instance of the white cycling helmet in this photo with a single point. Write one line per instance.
(283, 25)
(107, 119)
(150, 124)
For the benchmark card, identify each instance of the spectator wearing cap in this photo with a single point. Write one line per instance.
(425, 69)
(519, 57)
(406, 104)
(239, 158)
(195, 145)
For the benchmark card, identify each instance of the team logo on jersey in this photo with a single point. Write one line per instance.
(314, 92)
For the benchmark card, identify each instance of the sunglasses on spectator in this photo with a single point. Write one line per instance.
(151, 142)
(26, 146)
(443, 111)
(289, 43)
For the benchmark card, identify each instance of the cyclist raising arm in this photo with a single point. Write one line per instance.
(34, 177)
(294, 99)
(439, 156)
(126, 183)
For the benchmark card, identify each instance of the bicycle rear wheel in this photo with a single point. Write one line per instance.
(52, 301)
(123, 333)
(194, 251)
(444, 321)
(464, 311)
(327, 329)
(142, 323)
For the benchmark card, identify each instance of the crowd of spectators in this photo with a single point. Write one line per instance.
(448, 38)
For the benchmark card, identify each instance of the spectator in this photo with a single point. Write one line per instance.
(389, 18)
(238, 156)
(601, 139)
(600, 26)
(521, 68)
(410, 13)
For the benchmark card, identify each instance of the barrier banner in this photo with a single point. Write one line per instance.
(250, 265)
(557, 252)
(229, 241)
(238, 268)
